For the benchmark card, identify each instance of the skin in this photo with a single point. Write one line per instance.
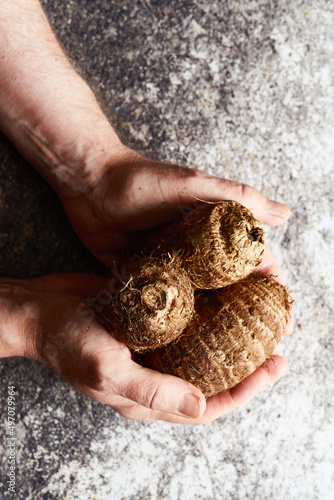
(107, 191)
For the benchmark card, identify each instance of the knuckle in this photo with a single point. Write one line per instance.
(148, 394)
(155, 397)
(99, 383)
(98, 379)
(234, 401)
(246, 191)
(238, 190)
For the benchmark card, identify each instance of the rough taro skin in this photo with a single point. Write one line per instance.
(218, 243)
(234, 331)
(152, 306)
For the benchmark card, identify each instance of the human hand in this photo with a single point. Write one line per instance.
(46, 319)
(137, 194)
(108, 191)
(132, 193)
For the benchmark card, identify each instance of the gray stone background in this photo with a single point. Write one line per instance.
(243, 90)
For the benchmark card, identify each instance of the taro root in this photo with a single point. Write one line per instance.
(153, 306)
(233, 332)
(218, 243)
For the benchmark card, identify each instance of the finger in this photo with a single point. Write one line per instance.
(226, 401)
(172, 188)
(264, 209)
(151, 389)
(163, 393)
(216, 406)
(125, 407)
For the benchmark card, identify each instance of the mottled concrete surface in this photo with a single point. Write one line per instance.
(244, 90)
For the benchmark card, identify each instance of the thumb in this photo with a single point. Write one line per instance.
(158, 391)
(167, 190)
(209, 188)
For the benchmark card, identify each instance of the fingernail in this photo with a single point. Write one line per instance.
(266, 381)
(189, 405)
(277, 209)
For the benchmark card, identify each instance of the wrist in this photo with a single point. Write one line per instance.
(90, 183)
(71, 157)
(19, 322)
(67, 149)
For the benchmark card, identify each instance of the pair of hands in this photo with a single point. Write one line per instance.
(46, 318)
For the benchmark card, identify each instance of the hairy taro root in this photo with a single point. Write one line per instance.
(218, 243)
(233, 332)
(154, 305)
(238, 317)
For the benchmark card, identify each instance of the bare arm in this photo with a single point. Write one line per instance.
(107, 191)
(46, 108)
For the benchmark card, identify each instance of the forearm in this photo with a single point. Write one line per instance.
(18, 320)
(46, 109)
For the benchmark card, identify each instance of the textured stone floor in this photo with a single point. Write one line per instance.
(243, 90)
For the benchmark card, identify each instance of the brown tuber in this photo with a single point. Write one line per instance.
(238, 317)
(218, 243)
(234, 331)
(152, 307)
